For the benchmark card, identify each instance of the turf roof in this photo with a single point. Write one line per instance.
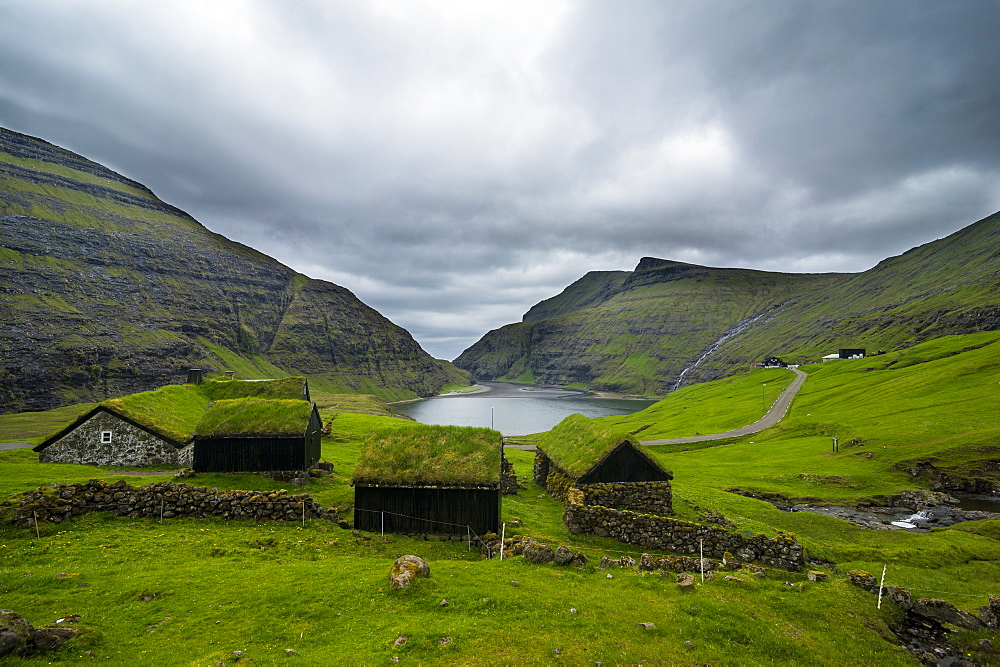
(578, 443)
(290, 388)
(255, 417)
(422, 455)
(173, 410)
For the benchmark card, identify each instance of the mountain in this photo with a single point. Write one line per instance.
(668, 323)
(105, 290)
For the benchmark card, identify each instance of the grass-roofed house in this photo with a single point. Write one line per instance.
(419, 480)
(606, 464)
(257, 435)
(156, 427)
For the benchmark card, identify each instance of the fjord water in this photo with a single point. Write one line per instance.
(515, 409)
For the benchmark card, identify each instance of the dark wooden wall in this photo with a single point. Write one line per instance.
(255, 454)
(625, 464)
(434, 511)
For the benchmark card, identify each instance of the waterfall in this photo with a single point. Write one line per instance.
(739, 328)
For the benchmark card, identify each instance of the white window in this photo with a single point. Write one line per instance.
(105, 436)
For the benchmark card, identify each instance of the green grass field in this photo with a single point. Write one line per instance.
(192, 591)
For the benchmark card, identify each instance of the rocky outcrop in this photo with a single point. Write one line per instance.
(19, 638)
(924, 627)
(107, 291)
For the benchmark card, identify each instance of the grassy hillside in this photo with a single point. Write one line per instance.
(179, 592)
(109, 291)
(664, 322)
(637, 334)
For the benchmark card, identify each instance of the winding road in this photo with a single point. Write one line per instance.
(770, 418)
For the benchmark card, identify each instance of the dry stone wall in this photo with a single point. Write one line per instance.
(60, 502)
(129, 445)
(651, 497)
(685, 537)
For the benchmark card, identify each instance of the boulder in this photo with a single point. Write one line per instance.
(406, 569)
(901, 596)
(563, 555)
(685, 581)
(945, 612)
(864, 579)
(990, 614)
(19, 638)
(15, 634)
(538, 553)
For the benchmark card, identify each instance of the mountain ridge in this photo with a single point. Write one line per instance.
(107, 290)
(670, 323)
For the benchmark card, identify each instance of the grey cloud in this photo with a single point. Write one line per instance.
(452, 164)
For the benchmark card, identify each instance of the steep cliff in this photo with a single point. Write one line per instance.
(669, 323)
(106, 290)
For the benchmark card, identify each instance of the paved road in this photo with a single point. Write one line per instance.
(14, 445)
(770, 418)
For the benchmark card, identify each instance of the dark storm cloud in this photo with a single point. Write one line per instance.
(453, 163)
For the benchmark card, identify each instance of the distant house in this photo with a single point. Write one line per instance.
(846, 353)
(608, 465)
(419, 480)
(158, 427)
(772, 362)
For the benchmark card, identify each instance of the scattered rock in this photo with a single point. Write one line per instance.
(689, 644)
(406, 569)
(647, 626)
(815, 575)
(572, 610)
(626, 561)
(685, 581)
(611, 576)
(444, 641)
(291, 651)
(443, 603)
(399, 641)
(865, 580)
(606, 563)
(730, 577)
(986, 644)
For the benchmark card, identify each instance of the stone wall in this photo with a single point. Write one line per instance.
(668, 534)
(129, 446)
(509, 486)
(651, 497)
(59, 502)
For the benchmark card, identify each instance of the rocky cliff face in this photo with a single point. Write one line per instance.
(668, 323)
(106, 290)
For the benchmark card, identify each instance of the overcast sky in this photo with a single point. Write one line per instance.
(453, 162)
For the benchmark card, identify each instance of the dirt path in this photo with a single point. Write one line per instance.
(770, 418)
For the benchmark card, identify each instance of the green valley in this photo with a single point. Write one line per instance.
(921, 418)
